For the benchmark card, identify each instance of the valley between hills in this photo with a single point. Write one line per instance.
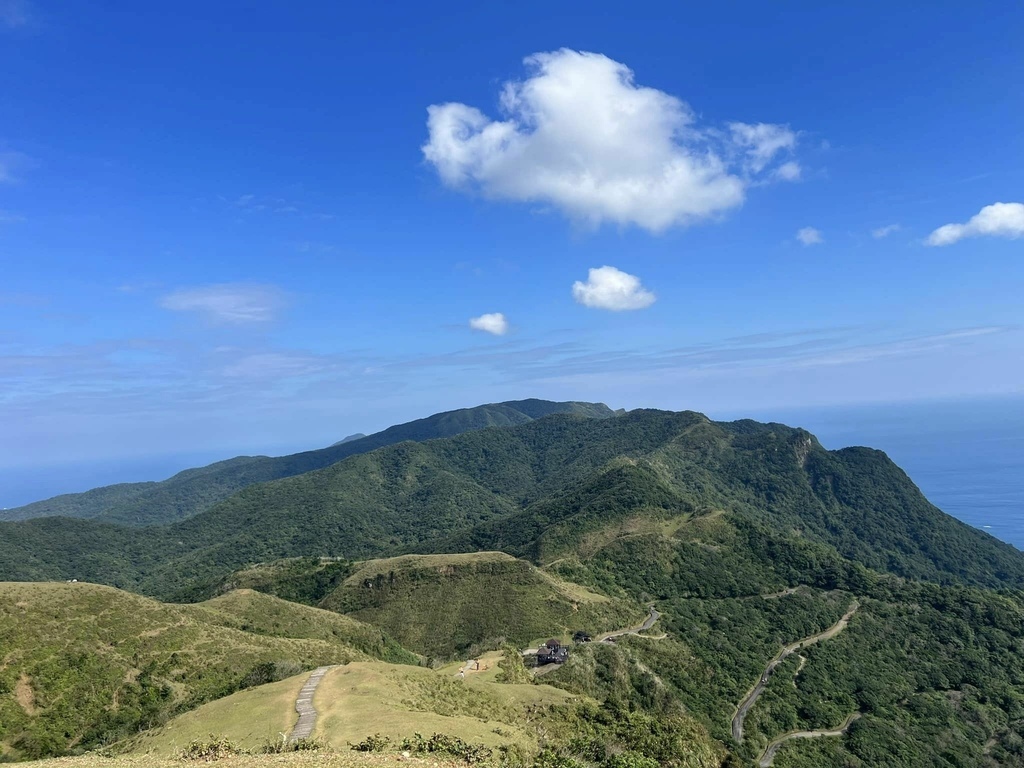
(753, 599)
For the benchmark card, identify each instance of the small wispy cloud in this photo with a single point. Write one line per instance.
(612, 289)
(790, 171)
(254, 204)
(9, 217)
(10, 164)
(761, 142)
(810, 236)
(494, 323)
(15, 13)
(885, 231)
(228, 303)
(996, 220)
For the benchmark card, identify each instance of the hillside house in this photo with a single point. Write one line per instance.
(552, 652)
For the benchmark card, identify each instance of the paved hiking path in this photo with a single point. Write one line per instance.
(751, 697)
(652, 617)
(768, 756)
(304, 706)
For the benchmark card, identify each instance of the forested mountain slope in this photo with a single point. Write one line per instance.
(196, 490)
(508, 488)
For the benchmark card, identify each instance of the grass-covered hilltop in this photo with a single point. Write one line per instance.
(804, 607)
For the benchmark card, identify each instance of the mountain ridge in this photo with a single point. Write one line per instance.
(195, 490)
(414, 496)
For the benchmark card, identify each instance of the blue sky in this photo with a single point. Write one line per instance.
(229, 227)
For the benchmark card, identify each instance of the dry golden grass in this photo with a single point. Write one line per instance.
(346, 759)
(360, 699)
(372, 568)
(249, 719)
(365, 698)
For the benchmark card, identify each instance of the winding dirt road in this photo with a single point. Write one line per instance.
(652, 617)
(752, 695)
(768, 756)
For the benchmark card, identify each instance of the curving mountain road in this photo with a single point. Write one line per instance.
(652, 617)
(768, 756)
(752, 695)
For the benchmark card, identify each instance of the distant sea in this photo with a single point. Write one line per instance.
(967, 456)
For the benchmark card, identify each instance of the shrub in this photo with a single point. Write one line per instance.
(299, 745)
(209, 751)
(445, 744)
(375, 743)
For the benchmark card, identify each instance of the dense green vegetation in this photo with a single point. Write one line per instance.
(196, 490)
(463, 604)
(443, 606)
(748, 538)
(935, 672)
(84, 665)
(536, 490)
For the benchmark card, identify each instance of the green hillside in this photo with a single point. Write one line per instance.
(365, 698)
(800, 591)
(85, 664)
(196, 490)
(935, 674)
(443, 606)
(530, 490)
(454, 605)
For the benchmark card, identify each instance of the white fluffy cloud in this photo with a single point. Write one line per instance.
(579, 134)
(885, 231)
(493, 322)
(231, 303)
(809, 236)
(996, 220)
(611, 288)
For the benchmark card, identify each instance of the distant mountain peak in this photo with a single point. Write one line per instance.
(349, 439)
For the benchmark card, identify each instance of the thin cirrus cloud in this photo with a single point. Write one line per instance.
(810, 236)
(612, 289)
(228, 303)
(580, 135)
(996, 220)
(494, 323)
(10, 164)
(15, 13)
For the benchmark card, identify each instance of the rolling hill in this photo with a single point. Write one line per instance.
(196, 490)
(445, 606)
(85, 664)
(365, 698)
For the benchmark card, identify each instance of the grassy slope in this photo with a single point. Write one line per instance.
(364, 698)
(83, 663)
(445, 605)
(346, 759)
(249, 719)
(196, 490)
